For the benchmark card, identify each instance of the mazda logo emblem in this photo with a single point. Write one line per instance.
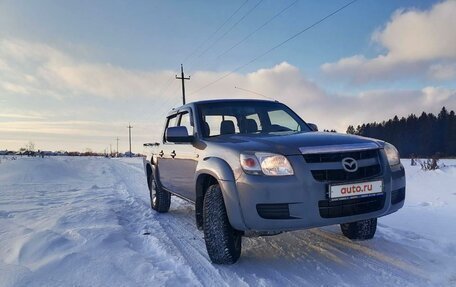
(350, 164)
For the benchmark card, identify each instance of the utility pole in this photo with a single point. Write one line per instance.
(129, 135)
(182, 77)
(117, 150)
(110, 150)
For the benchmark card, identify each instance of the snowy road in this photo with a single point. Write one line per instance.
(87, 222)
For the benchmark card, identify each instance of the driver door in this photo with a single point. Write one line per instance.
(179, 160)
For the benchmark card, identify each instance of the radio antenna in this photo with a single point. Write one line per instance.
(253, 92)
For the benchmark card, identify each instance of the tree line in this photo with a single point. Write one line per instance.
(423, 136)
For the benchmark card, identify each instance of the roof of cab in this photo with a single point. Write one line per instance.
(176, 109)
(229, 100)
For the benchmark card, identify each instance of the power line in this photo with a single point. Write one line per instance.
(166, 86)
(164, 99)
(258, 29)
(231, 28)
(168, 102)
(275, 47)
(215, 32)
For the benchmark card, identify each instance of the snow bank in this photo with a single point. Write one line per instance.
(87, 222)
(430, 207)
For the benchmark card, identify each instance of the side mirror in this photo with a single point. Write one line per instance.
(313, 127)
(178, 135)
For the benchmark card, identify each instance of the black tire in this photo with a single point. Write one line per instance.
(360, 230)
(223, 242)
(160, 199)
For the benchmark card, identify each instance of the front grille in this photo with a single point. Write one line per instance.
(335, 172)
(349, 207)
(397, 195)
(342, 175)
(274, 211)
(337, 157)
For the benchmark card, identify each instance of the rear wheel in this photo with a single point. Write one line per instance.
(360, 230)
(160, 199)
(223, 242)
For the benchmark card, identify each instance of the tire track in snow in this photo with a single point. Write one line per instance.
(295, 261)
(390, 262)
(137, 219)
(354, 258)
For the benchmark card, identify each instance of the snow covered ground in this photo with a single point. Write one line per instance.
(87, 222)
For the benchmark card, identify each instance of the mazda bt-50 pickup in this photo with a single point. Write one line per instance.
(254, 167)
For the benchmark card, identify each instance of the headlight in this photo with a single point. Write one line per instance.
(266, 163)
(392, 154)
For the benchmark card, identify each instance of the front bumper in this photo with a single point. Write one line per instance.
(300, 202)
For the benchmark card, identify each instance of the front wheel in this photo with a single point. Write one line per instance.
(360, 230)
(223, 242)
(160, 199)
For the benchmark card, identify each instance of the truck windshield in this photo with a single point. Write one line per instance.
(244, 117)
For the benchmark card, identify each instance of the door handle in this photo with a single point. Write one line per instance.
(173, 154)
(161, 154)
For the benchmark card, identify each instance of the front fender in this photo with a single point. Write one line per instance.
(150, 170)
(221, 170)
(216, 167)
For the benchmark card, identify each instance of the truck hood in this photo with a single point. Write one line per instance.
(292, 143)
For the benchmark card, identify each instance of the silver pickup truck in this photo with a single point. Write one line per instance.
(254, 167)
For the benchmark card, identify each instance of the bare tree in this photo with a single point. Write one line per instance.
(431, 163)
(30, 146)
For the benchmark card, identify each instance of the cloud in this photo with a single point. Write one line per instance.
(14, 88)
(70, 135)
(414, 41)
(76, 99)
(279, 82)
(39, 69)
(442, 72)
(78, 104)
(20, 116)
(289, 85)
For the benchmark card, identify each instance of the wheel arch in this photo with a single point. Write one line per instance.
(151, 171)
(203, 181)
(148, 173)
(215, 170)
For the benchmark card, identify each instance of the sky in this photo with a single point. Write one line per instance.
(74, 74)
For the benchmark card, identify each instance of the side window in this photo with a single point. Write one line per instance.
(281, 119)
(171, 122)
(185, 122)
